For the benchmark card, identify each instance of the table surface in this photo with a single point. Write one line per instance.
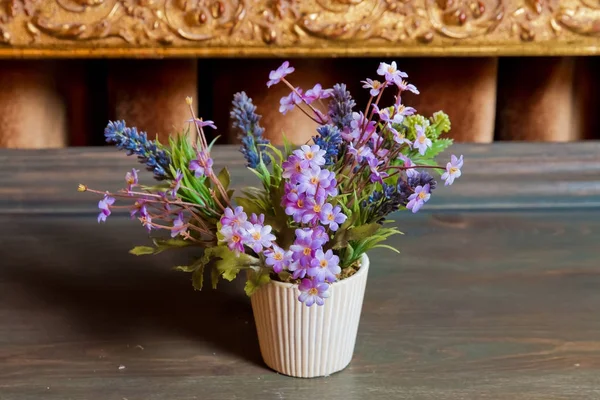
(496, 294)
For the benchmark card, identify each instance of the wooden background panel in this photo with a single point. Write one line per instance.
(499, 305)
(499, 176)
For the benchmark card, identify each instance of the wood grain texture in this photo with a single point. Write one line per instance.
(499, 176)
(486, 301)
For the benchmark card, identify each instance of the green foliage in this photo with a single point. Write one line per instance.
(160, 245)
(257, 277)
(440, 123)
(226, 263)
(411, 121)
(356, 248)
(348, 233)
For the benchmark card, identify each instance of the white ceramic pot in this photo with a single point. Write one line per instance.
(307, 342)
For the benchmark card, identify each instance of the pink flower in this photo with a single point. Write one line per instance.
(259, 237)
(234, 218)
(288, 102)
(332, 216)
(179, 226)
(278, 258)
(422, 142)
(276, 76)
(104, 205)
(313, 154)
(452, 170)
(391, 72)
(131, 178)
(233, 237)
(374, 85)
(324, 266)
(418, 198)
(202, 166)
(313, 291)
(316, 93)
(201, 123)
(294, 165)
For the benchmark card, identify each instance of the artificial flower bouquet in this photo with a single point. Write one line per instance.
(319, 207)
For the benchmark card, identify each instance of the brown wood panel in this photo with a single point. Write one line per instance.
(463, 88)
(150, 94)
(499, 176)
(33, 108)
(535, 99)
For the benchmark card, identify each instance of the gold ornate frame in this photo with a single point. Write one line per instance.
(320, 28)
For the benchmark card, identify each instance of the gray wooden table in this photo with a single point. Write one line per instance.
(496, 294)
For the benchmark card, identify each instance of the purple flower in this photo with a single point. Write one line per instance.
(399, 138)
(201, 123)
(259, 237)
(131, 178)
(257, 219)
(179, 226)
(325, 266)
(312, 291)
(384, 114)
(276, 76)
(311, 210)
(147, 222)
(362, 153)
(375, 86)
(452, 170)
(312, 178)
(303, 250)
(176, 184)
(319, 235)
(201, 166)
(422, 143)
(104, 206)
(403, 85)
(294, 204)
(313, 154)
(294, 165)
(234, 237)
(376, 175)
(278, 258)
(139, 206)
(316, 93)
(400, 112)
(287, 103)
(418, 198)
(391, 72)
(234, 218)
(410, 171)
(332, 216)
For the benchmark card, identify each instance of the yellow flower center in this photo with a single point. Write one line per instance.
(300, 203)
(130, 180)
(453, 170)
(422, 139)
(307, 251)
(323, 263)
(298, 167)
(314, 180)
(391, 69)
(330, 217)
(310, 155)
(256, 236)
(278, 256)
(235, 238)
(313, 291)
(422, 195)
(317, 208)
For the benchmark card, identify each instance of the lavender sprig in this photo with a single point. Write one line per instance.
(246, 120)
(156, 159)
(330, 140)
(341, 106)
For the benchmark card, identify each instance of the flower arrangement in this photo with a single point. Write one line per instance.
(320, 207)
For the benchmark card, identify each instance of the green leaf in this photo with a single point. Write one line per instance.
(256, 279)
(440, 123)
(224, 178)
(288, 148)
(360, 232)
(437, 147)
(185, 268)
(142, 250)
(198, 277)
(249, 206)
(226, 263)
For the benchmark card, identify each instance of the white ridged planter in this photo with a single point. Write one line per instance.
(307, 342)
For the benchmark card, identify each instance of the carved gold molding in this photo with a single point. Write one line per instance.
(116, 28)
